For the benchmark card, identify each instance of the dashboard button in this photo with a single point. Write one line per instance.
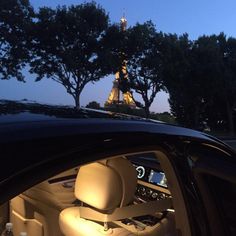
(154, 195)
(149, 192)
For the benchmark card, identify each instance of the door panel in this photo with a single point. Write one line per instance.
(4, 215)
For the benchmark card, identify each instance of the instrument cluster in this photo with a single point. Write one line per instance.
(154, 178)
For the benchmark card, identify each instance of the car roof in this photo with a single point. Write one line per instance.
(24, 110)
(53, 120)
(25, 119)
(22, 113)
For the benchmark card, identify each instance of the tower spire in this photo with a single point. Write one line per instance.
(123, 21)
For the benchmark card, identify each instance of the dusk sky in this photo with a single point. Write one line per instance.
(170, 16)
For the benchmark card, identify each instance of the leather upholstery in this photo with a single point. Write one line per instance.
(73, 225)
(104, 186)
(108, 185)
(128, 176)
(98, 186)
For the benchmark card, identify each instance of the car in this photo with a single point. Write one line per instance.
(83, 172)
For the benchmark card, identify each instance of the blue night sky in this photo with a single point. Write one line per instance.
(170, 16)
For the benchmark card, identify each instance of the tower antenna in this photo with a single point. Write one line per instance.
(124, 12)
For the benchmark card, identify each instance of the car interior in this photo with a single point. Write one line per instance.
(132, 194)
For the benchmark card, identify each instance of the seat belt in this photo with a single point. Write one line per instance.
(134, 210)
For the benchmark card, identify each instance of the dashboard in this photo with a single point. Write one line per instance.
(152, 182)
(151, 176)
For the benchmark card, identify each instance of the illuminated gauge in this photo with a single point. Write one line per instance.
(141, 172)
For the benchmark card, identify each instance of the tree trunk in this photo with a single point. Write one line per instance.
(77, 101)
(147, 112)
(230, 118)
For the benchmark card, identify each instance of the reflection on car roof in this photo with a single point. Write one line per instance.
(13, 111)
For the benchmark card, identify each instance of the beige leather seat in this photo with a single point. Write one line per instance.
(107, 188)
(104, 186)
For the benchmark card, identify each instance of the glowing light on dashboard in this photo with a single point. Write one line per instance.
(141, 172)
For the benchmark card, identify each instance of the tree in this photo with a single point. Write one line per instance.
(15, 23)
(93, 105)
(200, 78)
(164, 116)
(68, 46)
(144, 64)
(190, 70)
(177, 79)
(214, 70)
(114, 45)
(227, 80)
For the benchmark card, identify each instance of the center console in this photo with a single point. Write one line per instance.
(146, 192)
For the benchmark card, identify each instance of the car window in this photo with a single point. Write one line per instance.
(143, 182)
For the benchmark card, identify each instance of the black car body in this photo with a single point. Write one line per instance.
(40, 141)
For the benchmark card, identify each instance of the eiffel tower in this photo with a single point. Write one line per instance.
(115, 94)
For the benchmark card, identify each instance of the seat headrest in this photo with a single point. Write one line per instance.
(106, 185)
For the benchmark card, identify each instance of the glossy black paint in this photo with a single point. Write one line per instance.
(37, 143)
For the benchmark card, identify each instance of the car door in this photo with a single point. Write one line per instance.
(215, 173)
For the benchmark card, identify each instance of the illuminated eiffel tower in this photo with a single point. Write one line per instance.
(115, 94)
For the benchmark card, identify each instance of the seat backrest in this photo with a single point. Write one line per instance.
(106, 185)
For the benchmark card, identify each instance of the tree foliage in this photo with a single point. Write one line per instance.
(15, 23)
(226, 78)
(144, 64)
(68, 46)
(201, 80)
(93, 105)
